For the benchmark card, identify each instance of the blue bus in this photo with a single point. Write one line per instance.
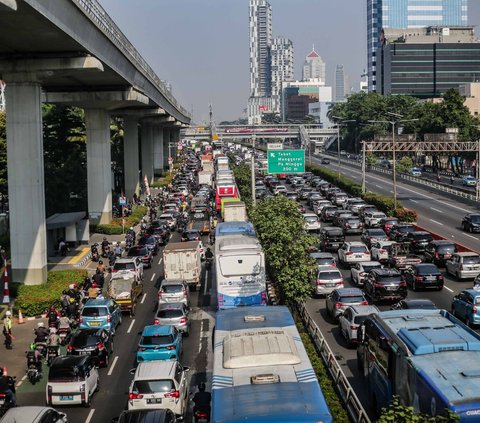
(428, 358)
(261, 370)
(234, 228)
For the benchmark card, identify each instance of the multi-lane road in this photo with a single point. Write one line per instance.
(115, 380)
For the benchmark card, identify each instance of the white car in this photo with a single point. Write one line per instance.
(131, 264)
(350, 320)
(340, 199)
(173, 291)
(312, 223)
(353, 252)
(379, 250)
(319, 205)
(279, 189)
(361, 270)
(34, 414)
(72, 380)
(169, 218)
(328, 279)
(372, 219)
(159, 384)
(415, 171)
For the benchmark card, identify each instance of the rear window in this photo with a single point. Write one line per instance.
(124, 266)
(423, 236)
(83, 340)
(157, 340)
(471, 260)
(72, 374)
(169, 313)
(94, 311)
(351, 299)
(329, 276)
(376, 232)
(338, 232)
(171, 289)
(446, 248)
(390, 279)
(153, 386)
(358, 249)
(424, 270)
(133, 252)
(367, 269)
(325, 260)
(405, 229)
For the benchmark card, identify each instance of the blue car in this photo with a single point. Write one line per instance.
(101, 314)
(466, 306)
(469, 181)
(159, 342)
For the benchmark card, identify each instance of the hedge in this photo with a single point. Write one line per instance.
(116, 228)
(34, 300)
(163, 182)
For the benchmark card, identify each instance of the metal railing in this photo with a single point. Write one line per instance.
(95, 12)
(351, 401)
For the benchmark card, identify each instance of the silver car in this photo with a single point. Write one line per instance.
(175, 314)
(464, 265)
(173, 291)
(328, 279)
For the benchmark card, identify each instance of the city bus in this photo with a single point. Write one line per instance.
(428, 358)
(261, 371)
(240, 271)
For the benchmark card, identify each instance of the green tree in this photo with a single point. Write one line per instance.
(404, 164)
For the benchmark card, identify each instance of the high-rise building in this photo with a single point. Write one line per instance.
(339, 84)
(260, 17)
(281, 53)
(298, 95)
(313, 67)
(407, 14)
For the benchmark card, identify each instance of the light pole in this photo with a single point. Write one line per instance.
(340, 122)
(253, 169)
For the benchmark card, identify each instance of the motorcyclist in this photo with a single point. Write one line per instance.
(118, 250)
(100, 267)
(7, 329)
(73, 292)
(202, 400)
(34, 356)
(99, 279)
(131, 232)
(7, 387)
(53, 316)
(41, 333)
(65, 322)
(72, 310)
(93, 291)
(105, 246)
(208, 254)
(143, 226)
(53, 339)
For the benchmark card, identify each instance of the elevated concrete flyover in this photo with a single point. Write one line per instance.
(71, 52)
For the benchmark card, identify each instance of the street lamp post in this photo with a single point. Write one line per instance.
(339, 124)
(253, 169)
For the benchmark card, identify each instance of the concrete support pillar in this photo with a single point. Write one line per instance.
(99, 166)
(131, 156)
(147, 152)
(26, 190)
(175, 140)
(158, 150)
(167, 149)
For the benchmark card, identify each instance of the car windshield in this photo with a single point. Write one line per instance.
(153, 386)
(65, 374)
(94, 311)
(172, 289)
(427, 269)
(475, 218)
(157, 340)
(124, 266)
(351, 299)
(329, 276)
(169, 313)
(471, 260)
(136, 251)
(358, 249)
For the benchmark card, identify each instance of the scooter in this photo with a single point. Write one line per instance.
(52, 354)
(34, 372)
(64, 335)
(201, 416)
(94, 252)
(5, 402)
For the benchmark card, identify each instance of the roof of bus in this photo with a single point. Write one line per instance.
(237, 242)
(230, 228)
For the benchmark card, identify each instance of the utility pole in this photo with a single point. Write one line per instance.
(253, 169)
(363, 167)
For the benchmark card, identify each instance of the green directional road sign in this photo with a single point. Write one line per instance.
(286, 161)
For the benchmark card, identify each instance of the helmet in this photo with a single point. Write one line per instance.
(33, 346)
(72, 300)
(8, 313)
(94, 285)
(52, 307)
(104, 238)
(40, 325)
(131, 228)
(118, 243)
(201, 386)
(100, 262)
(71, 286)
(53, 330)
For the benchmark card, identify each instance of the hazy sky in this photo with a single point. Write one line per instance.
(201, 46)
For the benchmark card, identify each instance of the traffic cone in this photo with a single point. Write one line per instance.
(20, 317)
(6, 295)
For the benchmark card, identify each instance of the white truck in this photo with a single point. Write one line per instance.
(222, 163)
(235, 212)
(182, 260)
(205, 178)
(207, 166)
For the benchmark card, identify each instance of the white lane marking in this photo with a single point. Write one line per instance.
(90, 415)
(434, 221)
(143, 298)
(19, 383)
(200, 339)
(471, 236)
(159, 261)
(414, 201)
(447, 288)
(112, 366)
(131, 326)
(391, 192)
(24, 377)
(205, 283)
(434, 209)
(152, 278)
(378, 186)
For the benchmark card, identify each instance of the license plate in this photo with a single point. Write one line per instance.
(82, 352)
(66, 398)
(358, 256)
(391, 288)
(430, 278)
(329, 285)
(2, 401)
(94, 323)
(154, 401)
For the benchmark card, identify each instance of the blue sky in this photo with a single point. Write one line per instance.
(201, 46)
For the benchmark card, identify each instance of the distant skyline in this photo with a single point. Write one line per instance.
(202, 47)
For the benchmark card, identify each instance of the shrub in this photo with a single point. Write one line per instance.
(406, 215)
(163, 181)
(34, 300)
(115, 228)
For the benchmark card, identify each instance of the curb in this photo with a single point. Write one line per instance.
(82, 262)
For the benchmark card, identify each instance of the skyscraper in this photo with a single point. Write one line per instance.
(408, 14)
(313, 67)
(260, 17)
(339, 84)
(281, 53)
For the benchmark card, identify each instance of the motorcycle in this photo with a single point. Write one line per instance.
(111, 258)
(52, 354)
(201, 416)
(105, 250)
(64, 335)
(208, 263)
(34, 372)
(6, 403)
(94, 252)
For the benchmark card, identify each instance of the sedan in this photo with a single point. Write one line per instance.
(337, 301)
(191, 235)
(98, 343)
(144, 253)
(424, 275)
(175, 314)
(471, 222)
(159, 342)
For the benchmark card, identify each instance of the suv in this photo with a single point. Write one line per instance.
(463, 265)
(466, 306)
(160, 384)
(373, 218)
(353, 252)
(471, 222)
(175, 314)
(145, 416)
(370, 236)
(101, 313)
(324, 259)
(352, 318)
(311, 222)
(338, 300)
(131, 264)
(439, 251)
(385, 284)
(328, 279)
(331, 238)
(159, 342)
(173, 291)
(419, 240)
(143, 253)
(424, 275)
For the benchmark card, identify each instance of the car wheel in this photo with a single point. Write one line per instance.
(107, 361)
(414, 286)
(120, 319)
(111, 347)
(87, 402)
(468, 322)
(464, 227)
(97, 388)
(470, 229)
(457, 275)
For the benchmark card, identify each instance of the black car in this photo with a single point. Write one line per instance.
(471, 222)
(191, 235)
(145, 416)
(331, 239)
(419, 240)
(419, 303)
(424, 275)
(97, 343)
(143, 252)
(150, 242)
(325, 161)
(327, 213)
(399, 232)
(385, 284)
(438, 251)
(369, 236)
(160, 233)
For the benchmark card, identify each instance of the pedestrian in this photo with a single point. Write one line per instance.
(7, 330)
(438, 176)
(451, 179)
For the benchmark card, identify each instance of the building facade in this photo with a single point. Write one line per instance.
(426, 62)
(282, 68)
(383, 14)
(313, 67)
(339, 84)
(298, 95)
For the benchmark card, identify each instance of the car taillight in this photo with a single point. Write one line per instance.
(201, 415)
(361, 274)
(141, 349)
(134, 395)
(183, 320)
(160, 294)
(474, 309)
(156, 322)
(382, 251)
(364, 303)
(403, 283)
(80, 319)
(348, 253)
(419, 278)
(340, 282)
(114, 270)
(377, 284)
(184, 292)
(440, 277)
(353, 327)
(109, 318)
(100, 346)
(338, 304)
(319, 282)
(173, 394)
(69, 348)
(347, 225)
(436, 254)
